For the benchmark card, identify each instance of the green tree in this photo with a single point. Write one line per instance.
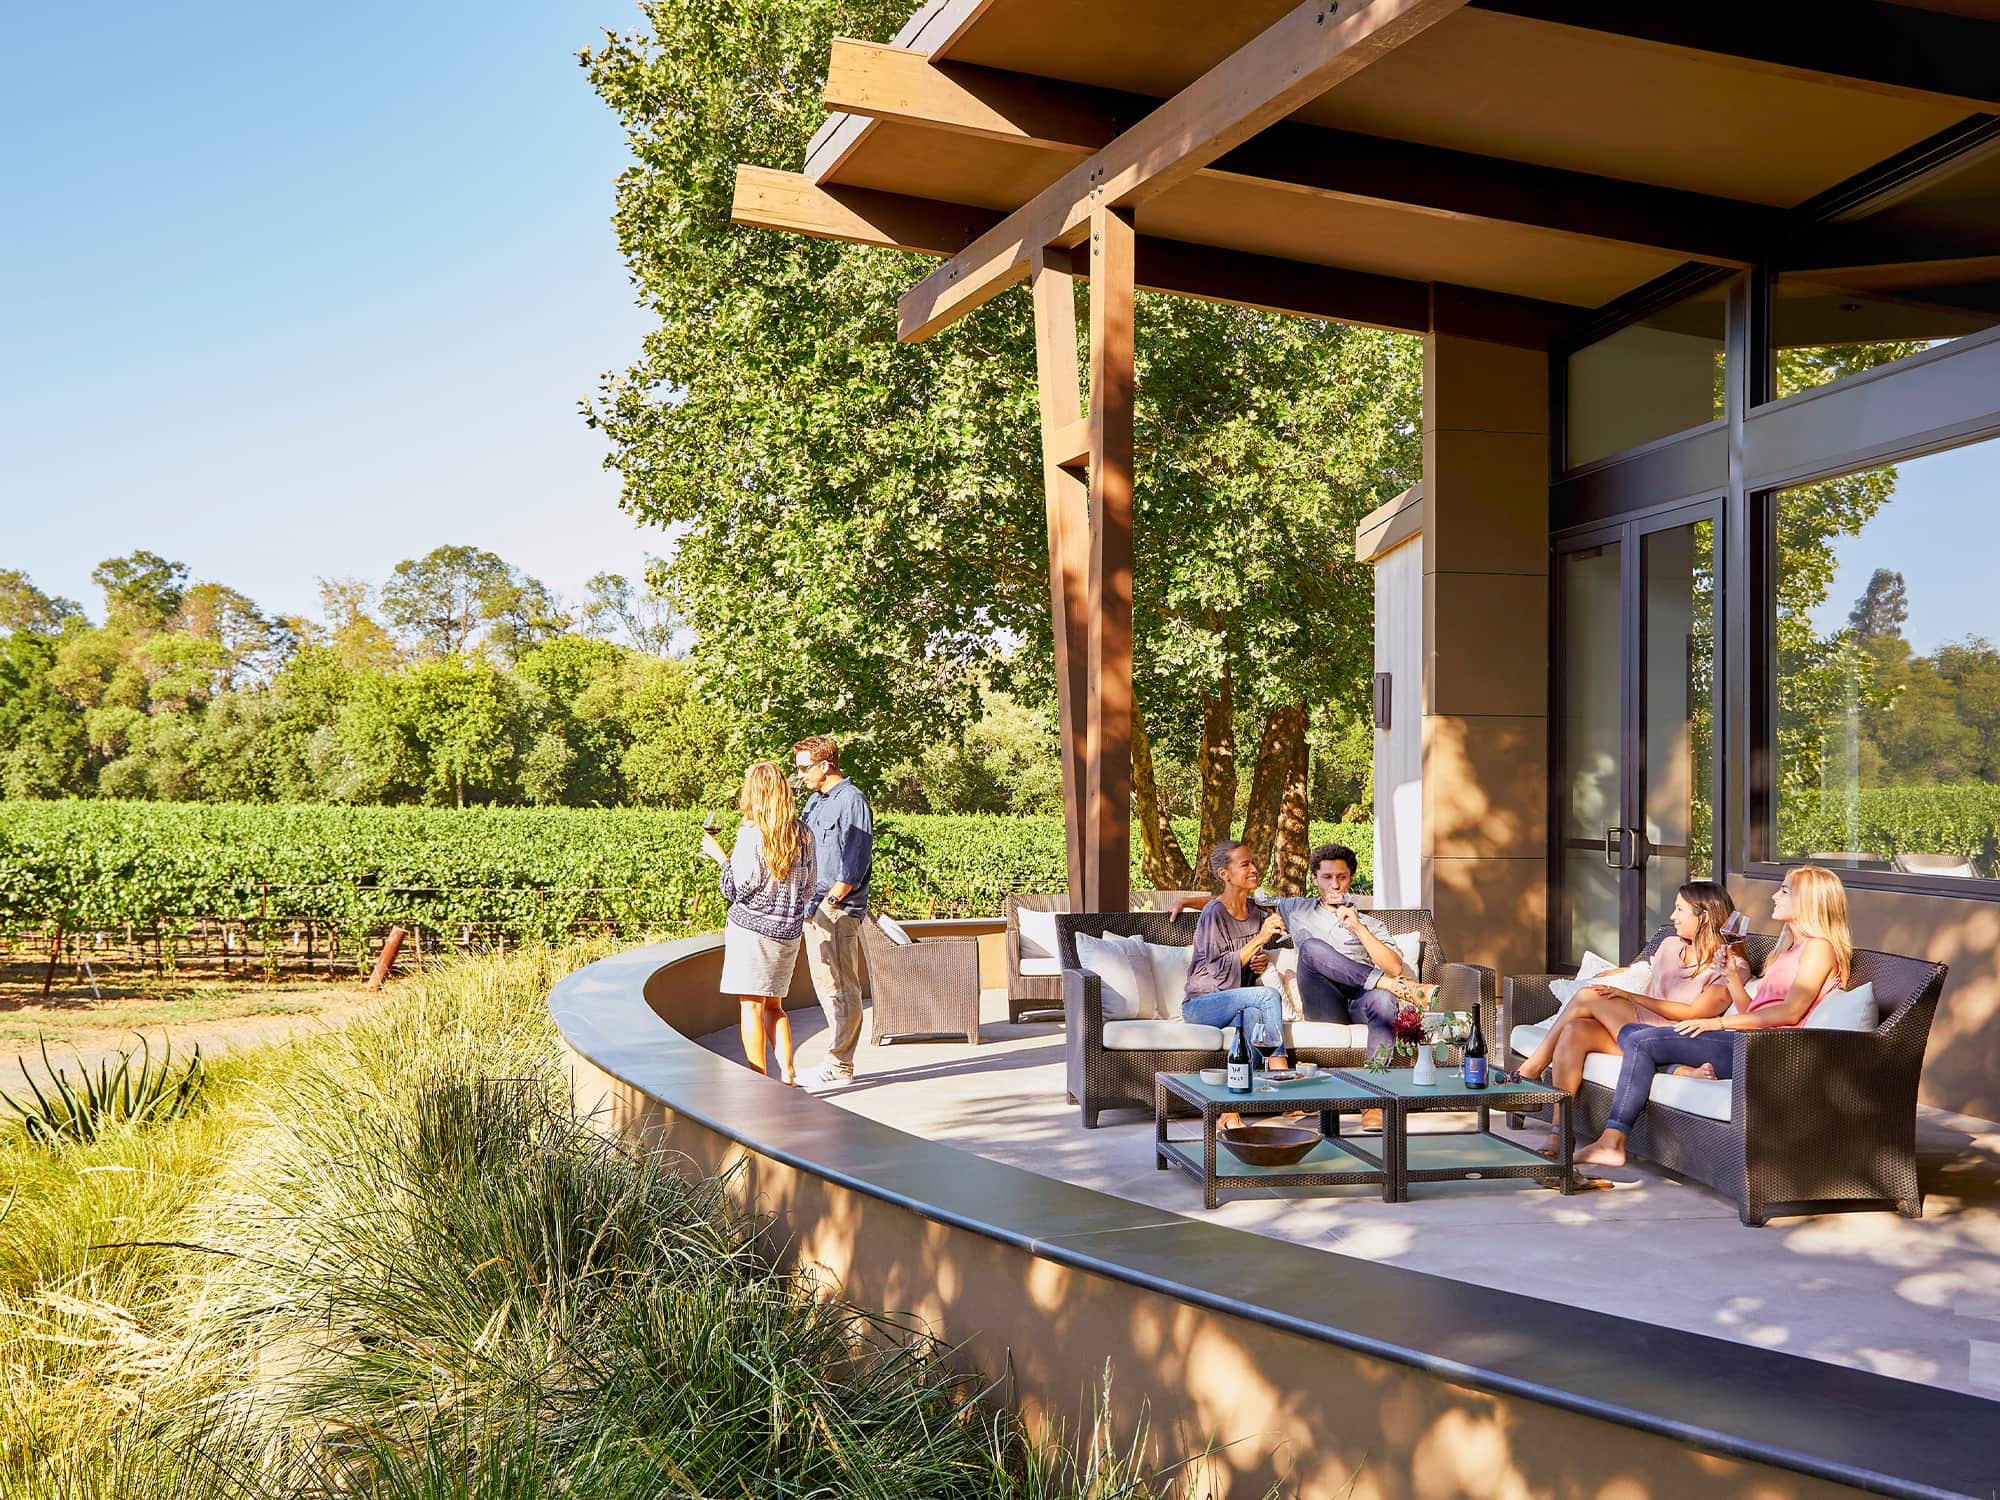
(43, 751)
(643, 614)
(862, 521)
(25, 607)
(141, 590)
(438, 600)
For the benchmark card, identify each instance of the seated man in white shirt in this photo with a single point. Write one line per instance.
(1347, 969)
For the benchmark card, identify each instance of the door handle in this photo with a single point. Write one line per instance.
(1618, 854)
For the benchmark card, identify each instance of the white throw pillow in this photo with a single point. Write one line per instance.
(1283, 976)
(1125, 976)
(893, 931)
(1845, 1010)
(1038, 934)
(1409, 947)
(1586, 973)
(1169, 963)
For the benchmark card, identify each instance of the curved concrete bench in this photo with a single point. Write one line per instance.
(1308, 1365)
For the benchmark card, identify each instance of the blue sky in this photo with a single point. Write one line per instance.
(1938, 530)
(293, 291)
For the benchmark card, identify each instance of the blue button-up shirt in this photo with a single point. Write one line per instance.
(844, 832)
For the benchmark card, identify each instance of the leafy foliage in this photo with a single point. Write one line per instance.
(537, 873)
(54, 1111)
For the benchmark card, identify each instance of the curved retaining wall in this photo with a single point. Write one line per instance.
(1306, 1365)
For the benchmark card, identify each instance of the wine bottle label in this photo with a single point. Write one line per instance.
(1239, 1078)
(1475, 1072)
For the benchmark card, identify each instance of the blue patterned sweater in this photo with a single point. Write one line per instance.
(775, 908)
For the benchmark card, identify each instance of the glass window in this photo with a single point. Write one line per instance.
(1650, 379)
(1918, 273)
(1888, 682)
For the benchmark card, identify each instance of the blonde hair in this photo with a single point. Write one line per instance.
(1819, 910)
(766, 804)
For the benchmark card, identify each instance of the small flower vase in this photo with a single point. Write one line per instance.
(1425, 1074)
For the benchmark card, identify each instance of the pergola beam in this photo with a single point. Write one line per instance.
(770, 199)
(905, 86)
(1898, 50)
(1309, 50)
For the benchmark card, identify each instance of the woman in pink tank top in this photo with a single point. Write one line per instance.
(1816, 960)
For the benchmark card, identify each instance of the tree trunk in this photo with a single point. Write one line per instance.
(1278, 756)
(1163, 864)
(1218, 768)
(1291, 877)
(55, 956)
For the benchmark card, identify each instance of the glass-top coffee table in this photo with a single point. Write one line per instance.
(1467, 1155)
(1337, 1161)
(1395, 1159)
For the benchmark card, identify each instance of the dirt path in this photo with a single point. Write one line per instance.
(99, 1031)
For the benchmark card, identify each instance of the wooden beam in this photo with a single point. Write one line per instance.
(892, 83)
(769, 199)
(1309, 50)
(1898, 50)
(1067, 498)
(1108, 826)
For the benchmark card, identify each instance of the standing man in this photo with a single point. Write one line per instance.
(843, 831)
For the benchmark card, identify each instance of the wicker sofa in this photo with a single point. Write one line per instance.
(1810, 1116)
(1110, 1065)
(1034, 984)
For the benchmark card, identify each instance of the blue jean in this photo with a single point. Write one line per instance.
(1651, 1048)
(1229, 1007)
(1334, 987)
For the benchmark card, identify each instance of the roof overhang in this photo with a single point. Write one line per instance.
(1553, 155)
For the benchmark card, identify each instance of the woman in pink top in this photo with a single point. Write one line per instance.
(1816, 960)
(1686, 982)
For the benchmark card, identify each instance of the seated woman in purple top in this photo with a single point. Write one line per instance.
(1223, 987)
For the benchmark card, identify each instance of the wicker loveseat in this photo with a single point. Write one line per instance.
(1810, 1116)
(1111, 1065)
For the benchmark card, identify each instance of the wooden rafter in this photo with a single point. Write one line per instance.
(901, 85)
(1309, 50)
(770, 199)
(1899, 50)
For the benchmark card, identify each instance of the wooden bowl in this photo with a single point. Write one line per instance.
(1269, 1145)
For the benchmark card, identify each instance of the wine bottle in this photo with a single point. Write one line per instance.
(1475, 1055)
(1239, 1064)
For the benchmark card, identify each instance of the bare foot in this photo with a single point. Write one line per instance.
(790, 1080)
(1706, 1070)
(1552, 1147)
(1602, 1154)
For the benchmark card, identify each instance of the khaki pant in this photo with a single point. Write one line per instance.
(833, 953)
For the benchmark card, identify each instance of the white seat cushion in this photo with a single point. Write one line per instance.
(1528, 1036)
(893, 931)
(1154, 1036)
(1327, 1034)
(1697, 1096)
(1038, 936)
(1041, 966)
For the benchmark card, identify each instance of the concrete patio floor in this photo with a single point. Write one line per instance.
(1914, 1300)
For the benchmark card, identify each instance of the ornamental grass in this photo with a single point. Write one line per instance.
(386, 1261)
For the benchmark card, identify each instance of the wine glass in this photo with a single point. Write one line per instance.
(1264, 1040)
(1735, 928)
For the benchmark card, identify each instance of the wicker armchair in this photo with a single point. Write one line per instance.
(1099, 1078)
(1820, 1117)
(926, 988)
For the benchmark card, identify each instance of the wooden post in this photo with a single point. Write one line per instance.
(1108, 826)
(388, 957)
(1053, 284)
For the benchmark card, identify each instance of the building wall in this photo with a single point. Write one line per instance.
(1399, 749)
(1485, 724)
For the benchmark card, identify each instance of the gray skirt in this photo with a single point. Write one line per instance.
(753, 964)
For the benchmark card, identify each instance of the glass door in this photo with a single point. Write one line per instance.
(1635, 727)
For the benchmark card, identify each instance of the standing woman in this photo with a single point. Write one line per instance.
(768, 881)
